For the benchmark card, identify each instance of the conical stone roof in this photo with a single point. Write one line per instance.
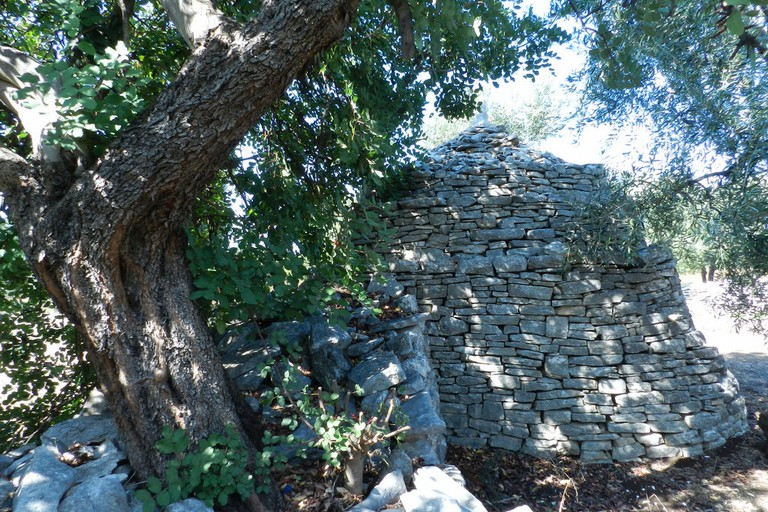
(535, 350)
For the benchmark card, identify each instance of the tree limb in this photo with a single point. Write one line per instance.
(220, 94)
(38, 112)
(405, 21)
(122, 15)
(12, 169)
(194, 19)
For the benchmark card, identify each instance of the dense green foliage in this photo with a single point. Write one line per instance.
(321, 159)
(696, 72)
(276, 232)
(104, 71)
(215, 471)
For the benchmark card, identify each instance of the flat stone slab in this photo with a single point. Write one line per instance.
(399, 323)
(377, 372)
(83, 430)
(103, 493)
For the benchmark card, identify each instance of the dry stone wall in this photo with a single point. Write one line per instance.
(535, 353)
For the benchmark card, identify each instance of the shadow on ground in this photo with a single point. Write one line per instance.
(750, 369)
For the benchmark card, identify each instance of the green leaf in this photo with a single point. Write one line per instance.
(154, 484)
(87, 48)
(163, 498)
(29, 78)
(88, 103)
(735, 22)
(172, 476)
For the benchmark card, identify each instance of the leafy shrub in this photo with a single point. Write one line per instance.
(212, 473)
(611, 228)
(345, 437)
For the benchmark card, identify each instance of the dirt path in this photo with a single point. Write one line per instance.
(746, 352)
(747, 356)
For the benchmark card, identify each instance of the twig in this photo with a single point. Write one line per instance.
(565, 495)
(658, 502)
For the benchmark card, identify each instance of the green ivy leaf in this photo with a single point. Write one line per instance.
(87, 48)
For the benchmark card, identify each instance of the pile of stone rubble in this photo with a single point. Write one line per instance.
(79, 463)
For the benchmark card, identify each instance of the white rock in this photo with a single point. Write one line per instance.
(431, 479)
(388, 491)
(188, 505)
(429, 501)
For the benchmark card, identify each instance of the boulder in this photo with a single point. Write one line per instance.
(377, 372)
(388, 491)
(431, 480)
(100, 493)
(189, 505)
(327, 345)
(44, 482)
(84, 430)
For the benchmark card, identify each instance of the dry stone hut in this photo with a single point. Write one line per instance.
(534, 351)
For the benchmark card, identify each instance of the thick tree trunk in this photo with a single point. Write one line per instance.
(109, 244)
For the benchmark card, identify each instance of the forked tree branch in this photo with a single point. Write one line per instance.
(405, 22)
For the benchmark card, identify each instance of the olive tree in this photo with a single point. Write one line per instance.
(120, 116)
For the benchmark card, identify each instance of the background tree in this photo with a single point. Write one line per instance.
(126, 124)
(696, 73)
(533, 117)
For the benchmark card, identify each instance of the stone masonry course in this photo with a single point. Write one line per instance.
(535, 351)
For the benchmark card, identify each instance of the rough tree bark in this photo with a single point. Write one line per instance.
(108, 243)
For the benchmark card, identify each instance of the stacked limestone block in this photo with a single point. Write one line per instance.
(535, 352)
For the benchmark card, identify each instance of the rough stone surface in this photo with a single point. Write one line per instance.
(244, 363)
(6, 490)
(387, 491)
(434, 487)
(425, 437)
(327, 345)
(428, 501)
(400, 461)
(377, 372)
(5, 461)
(83, 430)
(189, 505)
(45, 481)
(101, 493)
(516, 324)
